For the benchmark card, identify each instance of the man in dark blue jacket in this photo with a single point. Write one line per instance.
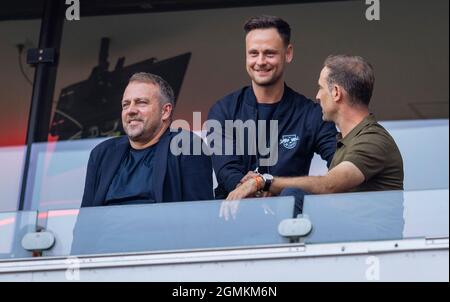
(301, 131)
(142, 167)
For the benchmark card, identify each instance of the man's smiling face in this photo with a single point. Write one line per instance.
(266, 56)
(141, 111)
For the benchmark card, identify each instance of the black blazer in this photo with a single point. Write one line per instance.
(177, 177)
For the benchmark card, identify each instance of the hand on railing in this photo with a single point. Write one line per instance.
(229, 208)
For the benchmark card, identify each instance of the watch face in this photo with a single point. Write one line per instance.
(268, 176)
(267, 182)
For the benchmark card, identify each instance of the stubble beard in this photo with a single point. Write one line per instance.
(142, 134)
(134, 134)
(265, 82)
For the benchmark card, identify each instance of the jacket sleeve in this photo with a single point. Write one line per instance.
(229, 169)
(325, 142)
(89, 185)
(196, 170)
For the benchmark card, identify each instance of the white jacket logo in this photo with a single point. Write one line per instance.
(289, 141)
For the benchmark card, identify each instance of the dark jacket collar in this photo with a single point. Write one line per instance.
(250, 97)
(284, 106)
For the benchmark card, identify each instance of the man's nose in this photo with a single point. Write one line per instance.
(261, 60)
(317, 99)
(132, 109)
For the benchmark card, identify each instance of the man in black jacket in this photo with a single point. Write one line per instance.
(141, 167)
(301, 132)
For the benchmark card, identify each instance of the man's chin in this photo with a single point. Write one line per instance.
(264, 82)
(325, 118)
(134, 136)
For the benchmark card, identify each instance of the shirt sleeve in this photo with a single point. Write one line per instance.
(368, 154)
(197, 183)
(229, 169)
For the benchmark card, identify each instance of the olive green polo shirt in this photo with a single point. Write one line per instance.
(373, 150)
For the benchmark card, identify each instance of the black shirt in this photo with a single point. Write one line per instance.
(133, 180)
(265, 113)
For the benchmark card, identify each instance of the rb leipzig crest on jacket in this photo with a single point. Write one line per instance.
(289, 141)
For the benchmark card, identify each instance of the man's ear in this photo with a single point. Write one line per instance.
(166, 111)
(337, 93)
(289, 53)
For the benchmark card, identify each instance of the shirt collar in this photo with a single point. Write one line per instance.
(368, 120)
(251, 97)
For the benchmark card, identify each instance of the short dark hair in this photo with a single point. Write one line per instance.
(266, 22)
(354, 74)
(167, 95)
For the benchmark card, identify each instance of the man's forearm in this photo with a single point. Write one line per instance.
(341, 178)
(228, 172)
(310, 184)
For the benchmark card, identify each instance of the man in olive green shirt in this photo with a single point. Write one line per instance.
(367, 157)
(372, 150)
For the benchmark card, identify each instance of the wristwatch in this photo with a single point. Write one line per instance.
(268, 179)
